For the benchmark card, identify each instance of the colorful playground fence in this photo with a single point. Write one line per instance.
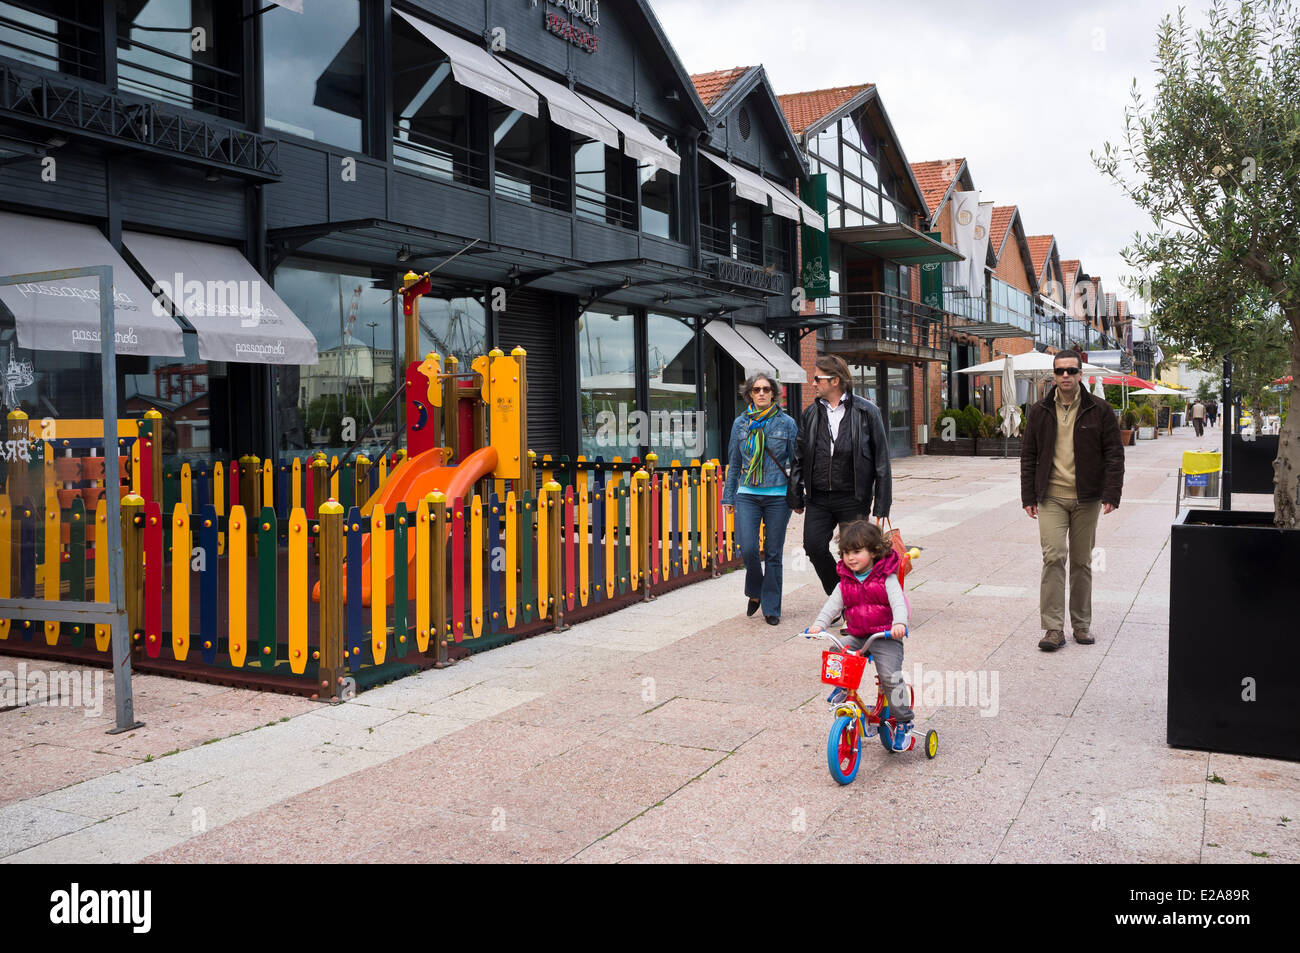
(221, 562)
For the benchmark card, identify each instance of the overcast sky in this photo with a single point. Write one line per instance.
(1023, 89)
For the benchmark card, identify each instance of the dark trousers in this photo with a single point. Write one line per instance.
(1199, 424)
(825, 511)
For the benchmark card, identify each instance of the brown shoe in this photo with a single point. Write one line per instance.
(1052, 640)
(1083, 636)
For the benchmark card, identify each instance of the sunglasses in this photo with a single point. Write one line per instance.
(760, 390)
(824, 377)
(1058, 371)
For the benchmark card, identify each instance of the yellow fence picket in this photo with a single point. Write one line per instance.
(180, 582)
(295, 491)
(219, 501)
(187, 488)
(334, 479)
(422, 597)
(297, 595)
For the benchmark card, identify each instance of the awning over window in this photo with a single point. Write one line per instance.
(896, 242)
(478, 69)
(810, 217)
(786, 367)
(750, 358)
(294, 5)
(64, 315)
(567, 108)
(237, 315)
(754, 188)
(639, 141)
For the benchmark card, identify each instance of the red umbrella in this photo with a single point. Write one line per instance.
(1284, 380)
(1127, 380)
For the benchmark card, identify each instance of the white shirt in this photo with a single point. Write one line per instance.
(835, 413)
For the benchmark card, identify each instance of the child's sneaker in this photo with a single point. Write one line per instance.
(837, 696)
(901, 735)
(886, 737)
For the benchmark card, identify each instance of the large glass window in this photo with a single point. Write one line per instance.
(453, 326)
(316, 72)
(1012, 306)
(430, 112)
(675, 430)
(184, 52)
(600, 189)
(607, 384)
(57, 35)
(351, 314)
(659, 201)
(523, 159)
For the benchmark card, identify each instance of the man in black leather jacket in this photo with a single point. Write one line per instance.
(841, 464)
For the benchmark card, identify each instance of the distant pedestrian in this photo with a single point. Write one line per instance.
(841, 465)
(1071, 469)
(759, 457)
(1212, 412)
(1198, 417)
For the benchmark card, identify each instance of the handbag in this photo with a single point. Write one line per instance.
(895, 539)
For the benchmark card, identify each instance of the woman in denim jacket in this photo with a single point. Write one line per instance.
(759, 456)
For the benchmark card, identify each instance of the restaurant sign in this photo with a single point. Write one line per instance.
(588, 11)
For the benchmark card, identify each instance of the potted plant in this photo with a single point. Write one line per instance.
(1146, 417)
(1218, 276)
(1128, 425)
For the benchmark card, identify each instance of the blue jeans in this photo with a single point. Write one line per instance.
(751, 509)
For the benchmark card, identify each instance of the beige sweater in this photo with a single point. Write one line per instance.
(1062, 484)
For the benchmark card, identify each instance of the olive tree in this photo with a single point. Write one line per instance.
(1214, 159)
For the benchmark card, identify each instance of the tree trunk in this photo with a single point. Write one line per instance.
(1286, 468)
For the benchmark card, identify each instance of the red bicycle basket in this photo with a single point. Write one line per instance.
(842, 669)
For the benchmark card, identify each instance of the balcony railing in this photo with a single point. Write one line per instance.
(721, 241)
(437, 157)
(882, 325)
(531, 185)
(94, 111)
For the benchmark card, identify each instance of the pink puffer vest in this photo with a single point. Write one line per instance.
(866, 603)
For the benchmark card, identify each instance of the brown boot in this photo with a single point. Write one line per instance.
(1052, 640)
(1083, 636)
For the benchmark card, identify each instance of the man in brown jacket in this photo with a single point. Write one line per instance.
(1071, 467)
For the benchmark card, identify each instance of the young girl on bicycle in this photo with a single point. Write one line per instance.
(871, 599)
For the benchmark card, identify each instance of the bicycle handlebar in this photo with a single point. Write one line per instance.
(840, 645)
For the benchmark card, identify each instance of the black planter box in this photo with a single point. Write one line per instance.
(1234, 615)
(998, 447)
(1252, 463)
(958, 447)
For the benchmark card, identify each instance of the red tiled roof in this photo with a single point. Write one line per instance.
(935, 178)
(713, 86)
(1039, 247)
(803, 109)
(1069, 271)
(1000, 227)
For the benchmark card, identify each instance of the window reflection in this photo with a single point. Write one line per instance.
(523, 159)
(607, 384)
(179, 51)
(351, 316)
(430, 111)
(453, 327)
(675, 429)
(316, 73)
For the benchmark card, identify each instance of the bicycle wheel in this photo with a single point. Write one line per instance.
(844, 749)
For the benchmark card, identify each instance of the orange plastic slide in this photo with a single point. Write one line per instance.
(410, 483)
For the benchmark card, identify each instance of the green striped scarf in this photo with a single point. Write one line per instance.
(754, 443)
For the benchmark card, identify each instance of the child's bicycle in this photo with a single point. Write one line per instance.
(853, 719)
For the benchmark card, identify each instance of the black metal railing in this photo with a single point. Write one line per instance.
(873, 319)
(721, 241)
(217, 94)
(439, 158)
(598, 206)
(86, 108)
(70, 48)
(531, 185)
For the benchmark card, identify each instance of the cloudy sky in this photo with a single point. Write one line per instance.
(1022, 89)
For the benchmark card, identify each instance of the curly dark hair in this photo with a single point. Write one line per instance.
(863, 534)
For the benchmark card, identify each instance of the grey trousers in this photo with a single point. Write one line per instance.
(887, 654)
(1067, 530)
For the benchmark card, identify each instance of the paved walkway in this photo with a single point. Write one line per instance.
(684, 731)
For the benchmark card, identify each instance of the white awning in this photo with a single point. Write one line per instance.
(787, 368)
(754, 188)
(237, 315)
(638, 140)
(63, 315)
(810, 217)
(478, 69)
(294, 5)
(749, 357)
(567, 108)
